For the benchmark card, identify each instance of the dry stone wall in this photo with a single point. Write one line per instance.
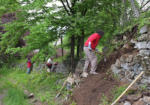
(128, 66)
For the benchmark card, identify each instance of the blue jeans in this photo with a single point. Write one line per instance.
(28, 70)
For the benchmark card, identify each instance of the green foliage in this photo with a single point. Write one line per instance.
(15, 96)
(47, 24)
(144, 19)
(143, 87)
(104, 100)
(117, 91)
(8, 6)
(44, 85)
(73, 103)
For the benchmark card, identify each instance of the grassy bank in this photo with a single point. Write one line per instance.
(44, 86)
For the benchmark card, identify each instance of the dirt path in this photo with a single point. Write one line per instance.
(93, 89)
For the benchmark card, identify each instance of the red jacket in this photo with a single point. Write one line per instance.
(94, 39)
(29, 64)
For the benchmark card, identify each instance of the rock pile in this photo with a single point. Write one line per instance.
(136, 99)
(128, 66)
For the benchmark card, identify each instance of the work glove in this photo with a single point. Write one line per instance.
(89, 46)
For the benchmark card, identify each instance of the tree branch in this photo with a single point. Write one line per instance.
(142, 3)
(145, 4)
(146, 10)
(73, 3)
(68, 4)
(65, 7)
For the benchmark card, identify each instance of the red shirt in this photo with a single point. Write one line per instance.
(94, 39)
(28, 64)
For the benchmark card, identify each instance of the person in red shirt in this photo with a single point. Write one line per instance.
(89, 49)
(29, 64)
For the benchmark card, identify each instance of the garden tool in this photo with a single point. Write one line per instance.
(115, 102)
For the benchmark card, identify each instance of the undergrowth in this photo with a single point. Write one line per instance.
(116, 92)
(44, 85)
(15, 96)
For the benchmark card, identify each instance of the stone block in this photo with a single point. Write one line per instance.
(139, 102)
(143, 37)
(146, 99)
(134, 97)
(115, 69)
(141, 45)
(125, 66)
(144, 29)
(127, 103)
(118, 63)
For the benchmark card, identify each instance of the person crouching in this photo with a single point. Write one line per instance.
(49, 65)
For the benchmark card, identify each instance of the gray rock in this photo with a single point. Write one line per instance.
(135, 67)
(118, 63)
(133, 41)
(115, 69)
(122, 73)
(144, 52)
(143, 37)
(134, 97)
(139, 102)
(129, 58)
(38, 67)
(140, 68)
(125, 66)
(144, 29)
(146, 99)
(61, 68)
(131, 76)
(145, 81)
(80, 66)
(124, 38)
(141, 45)
(127, 103)
(148, 45)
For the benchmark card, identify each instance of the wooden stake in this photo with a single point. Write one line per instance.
(128, 88)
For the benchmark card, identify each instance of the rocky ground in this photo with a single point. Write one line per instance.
(127, 61)
(137, 98)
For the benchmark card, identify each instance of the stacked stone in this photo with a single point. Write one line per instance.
(136, 99)
(128, 66)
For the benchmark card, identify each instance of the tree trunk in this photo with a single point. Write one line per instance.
(62, 50)
(72, 53)
(82, 40)
(134, 9)
(80, 44)
(78, 47)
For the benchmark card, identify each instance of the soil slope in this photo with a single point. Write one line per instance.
(94, 87)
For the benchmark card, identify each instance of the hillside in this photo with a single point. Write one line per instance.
(75, 52)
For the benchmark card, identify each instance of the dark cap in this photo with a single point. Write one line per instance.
(100, 32)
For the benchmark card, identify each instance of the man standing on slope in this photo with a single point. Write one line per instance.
(89, 49)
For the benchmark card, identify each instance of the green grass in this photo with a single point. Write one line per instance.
(104, 100)
(15, 97)
(116, 93)
(44, 85)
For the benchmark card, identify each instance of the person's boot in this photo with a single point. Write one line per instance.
(84, 74)
(93, 72)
